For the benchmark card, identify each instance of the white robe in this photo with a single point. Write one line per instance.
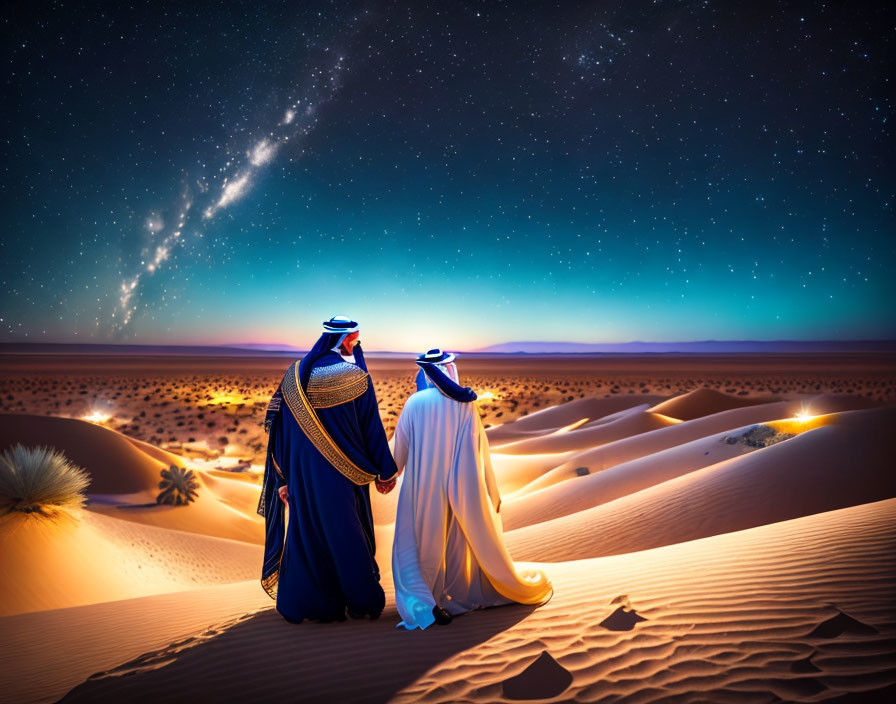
(449, 545)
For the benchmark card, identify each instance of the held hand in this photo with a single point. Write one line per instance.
(284, 494)
(384, 487)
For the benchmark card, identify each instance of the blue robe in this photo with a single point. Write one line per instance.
(325, 562)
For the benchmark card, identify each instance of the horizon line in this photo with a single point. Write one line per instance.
(492, 349)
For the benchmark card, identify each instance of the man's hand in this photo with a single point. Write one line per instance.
(284, 494)
(384, 487)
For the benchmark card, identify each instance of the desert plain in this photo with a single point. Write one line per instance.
(718, 528)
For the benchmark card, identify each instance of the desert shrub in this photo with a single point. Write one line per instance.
(178, 486)
(759, 436)
(40, 480)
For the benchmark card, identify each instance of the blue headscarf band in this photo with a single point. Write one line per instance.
(445, 384)
(335, 329)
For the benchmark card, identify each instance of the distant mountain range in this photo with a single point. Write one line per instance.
(699, 347)
(529, 348)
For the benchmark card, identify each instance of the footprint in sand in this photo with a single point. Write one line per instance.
(545, 678)
(840, 624)
(623, 618)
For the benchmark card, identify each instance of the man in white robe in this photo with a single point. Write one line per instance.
(449, 556)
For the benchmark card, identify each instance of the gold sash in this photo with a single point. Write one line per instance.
(307, 419)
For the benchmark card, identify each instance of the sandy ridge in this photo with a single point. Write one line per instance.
(820, 470)
(685, 645)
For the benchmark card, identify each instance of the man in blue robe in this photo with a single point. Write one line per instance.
(326, 445)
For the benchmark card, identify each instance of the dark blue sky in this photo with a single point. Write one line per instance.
(460, 174)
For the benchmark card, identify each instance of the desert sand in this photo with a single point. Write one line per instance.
(715, 529)
(211, 407)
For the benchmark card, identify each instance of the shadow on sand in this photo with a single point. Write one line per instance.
(265, 658)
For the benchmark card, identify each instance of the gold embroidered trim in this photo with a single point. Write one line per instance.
(307, 420)
(269, 583)
(277, 467)
(335, 384)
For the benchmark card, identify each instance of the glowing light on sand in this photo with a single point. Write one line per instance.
(577, 424)
(98, 417)
(668, 419)
(225, 399)
(566, 428)
(803, 415)
(486, 396)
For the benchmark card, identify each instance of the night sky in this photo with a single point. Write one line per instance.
(455, 174)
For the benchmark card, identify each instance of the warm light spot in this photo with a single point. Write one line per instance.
(667, 419)
(567, 428)
(97, 417)
(577, 424)
(486, 396)
(800, 423)
(225, 400)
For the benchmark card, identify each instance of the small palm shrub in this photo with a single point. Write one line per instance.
(40, 480)
(178, 486)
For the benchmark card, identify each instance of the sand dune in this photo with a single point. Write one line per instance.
(99, 637)
(224, 508)
(516, 471)
(586, 490)
(630, 448)
(563, 415)
(116, 464)
(826, 468)
(624, 426)
(748, 616)
(670, 435)
(686, 567)
(589, 490)
(52, 564)
(125, 474)
(704, 402)
(753, 611)
(625, 412)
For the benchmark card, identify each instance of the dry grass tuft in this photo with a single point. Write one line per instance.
(40, 480)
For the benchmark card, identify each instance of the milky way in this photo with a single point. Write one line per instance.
(236, 179)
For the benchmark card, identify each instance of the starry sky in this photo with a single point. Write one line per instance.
(452, 173)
